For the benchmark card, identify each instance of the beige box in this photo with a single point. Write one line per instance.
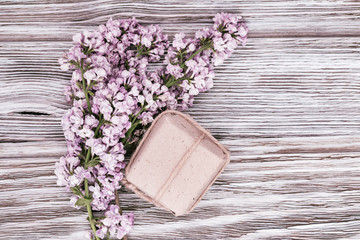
(175, 163)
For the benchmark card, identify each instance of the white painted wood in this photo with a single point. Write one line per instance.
(45, 21)
(286, 105)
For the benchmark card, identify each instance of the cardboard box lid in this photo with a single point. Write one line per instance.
(175, 163)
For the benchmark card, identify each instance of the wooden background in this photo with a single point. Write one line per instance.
(287, 105)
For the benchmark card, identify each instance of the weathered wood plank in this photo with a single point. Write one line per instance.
(36, 20)
(272, 87)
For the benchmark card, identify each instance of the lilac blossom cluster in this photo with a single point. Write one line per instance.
(114, 96)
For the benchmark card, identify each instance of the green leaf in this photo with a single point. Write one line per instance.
(76, 190)
(82, 202)
(79, 85)
(93, 162)
(76, 64)
(92, 83)
(87, 50)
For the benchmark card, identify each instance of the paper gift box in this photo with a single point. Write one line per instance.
(175, 163)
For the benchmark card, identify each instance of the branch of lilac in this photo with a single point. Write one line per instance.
(115, 97)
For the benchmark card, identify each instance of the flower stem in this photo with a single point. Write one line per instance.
(86, 183)
(134, 124)
(130, 131)
(101, 122)
(89, 210)
(117, 200)
(92, 224)
(84, 86)
(196, 53)
(87, 195)
(204, 47)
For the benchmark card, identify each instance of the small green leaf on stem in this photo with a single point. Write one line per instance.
(76, 190)
(93, 162)
(82, 202)
(92, 83)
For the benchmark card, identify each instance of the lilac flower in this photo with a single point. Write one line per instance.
(118, 225)
(97, 146)
(174, 70)
(179, 41)
(114, 96)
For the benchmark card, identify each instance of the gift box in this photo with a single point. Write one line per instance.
(175, 163)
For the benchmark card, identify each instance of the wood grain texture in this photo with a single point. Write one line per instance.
(286, 105)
